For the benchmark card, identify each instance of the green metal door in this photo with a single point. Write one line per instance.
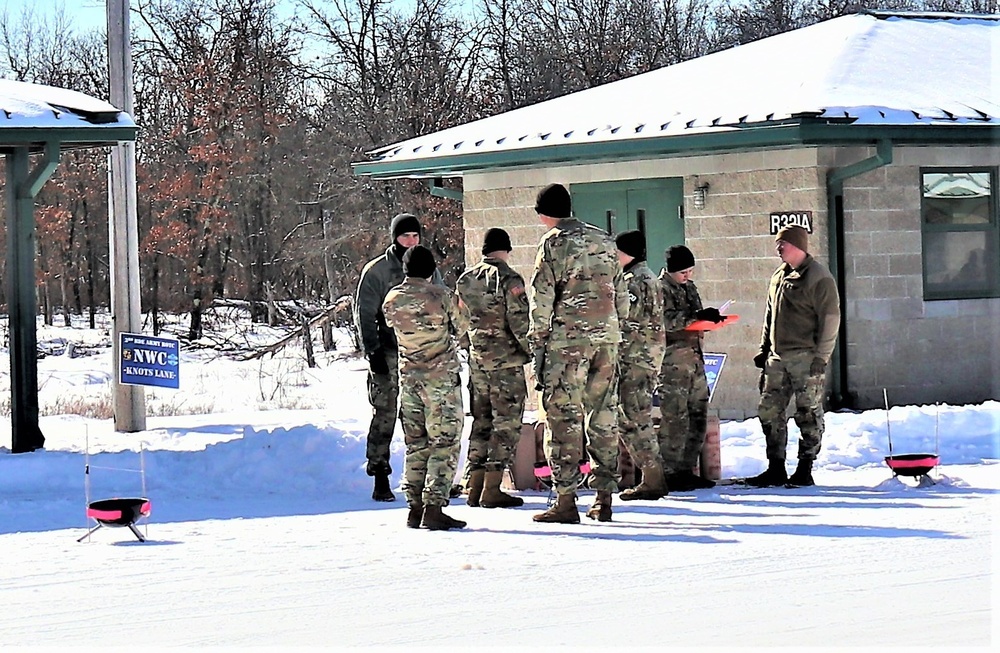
(653, 206)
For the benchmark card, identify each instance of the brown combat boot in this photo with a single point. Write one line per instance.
(563, 511)
(415, 516)
(652, 487)
(601, 510)
(493, 496)
(435, 520)
(476, 479)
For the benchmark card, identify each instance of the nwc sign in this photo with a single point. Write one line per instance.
(149, 360)
(713, 368)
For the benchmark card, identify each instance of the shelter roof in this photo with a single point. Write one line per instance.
(34, 114)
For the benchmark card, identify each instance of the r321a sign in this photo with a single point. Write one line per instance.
(780, 219)
(149, 360)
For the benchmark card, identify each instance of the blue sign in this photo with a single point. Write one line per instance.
(713, 368)
(149, 360)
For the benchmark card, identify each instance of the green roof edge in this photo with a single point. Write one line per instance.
(803, 133)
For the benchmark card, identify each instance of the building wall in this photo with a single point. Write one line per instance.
(920, 352)
(729, 237)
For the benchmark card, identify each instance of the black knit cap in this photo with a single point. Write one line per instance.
(632, 243)
(496, 240)
(419, 262)
(404, 223)
(679, 258)
(553, 201)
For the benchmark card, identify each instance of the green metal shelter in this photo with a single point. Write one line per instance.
(38, 123)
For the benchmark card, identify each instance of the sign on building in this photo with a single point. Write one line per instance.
(781, 219)
(713, 367)
(149, 360)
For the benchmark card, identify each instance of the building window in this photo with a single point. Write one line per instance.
(961, 248)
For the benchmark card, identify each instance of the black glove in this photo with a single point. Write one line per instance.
(377, 363)
(710, 314)
(818, 367)
(760, 359)
(539, 366)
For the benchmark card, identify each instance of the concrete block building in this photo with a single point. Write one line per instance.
(878, 132)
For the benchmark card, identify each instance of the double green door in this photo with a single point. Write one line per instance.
(653, 206)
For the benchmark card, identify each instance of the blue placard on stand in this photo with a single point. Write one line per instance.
(713, 368)
(149, 360)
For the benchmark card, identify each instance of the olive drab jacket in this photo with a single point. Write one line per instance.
(578, 294)
(802, 313)
(495, 302)
(642, 330)
(377, 278)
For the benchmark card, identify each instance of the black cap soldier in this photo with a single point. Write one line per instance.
(683, 390)
(493, 297)
(379, 344)
(578, 301)
(428, 325)
(639, 357)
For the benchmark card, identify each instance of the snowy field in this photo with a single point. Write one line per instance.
(263, 532)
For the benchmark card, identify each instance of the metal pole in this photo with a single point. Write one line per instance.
(129, 401)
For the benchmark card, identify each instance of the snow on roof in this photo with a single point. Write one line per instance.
(870, 68)
(25, 105)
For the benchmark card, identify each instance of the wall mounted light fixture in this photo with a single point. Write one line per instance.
(700, 193)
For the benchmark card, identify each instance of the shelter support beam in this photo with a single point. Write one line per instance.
(438, 190)
(22, 186)
(842, 396)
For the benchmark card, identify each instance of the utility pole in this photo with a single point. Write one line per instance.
(129, 401)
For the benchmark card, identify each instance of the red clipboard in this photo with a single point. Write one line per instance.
(708, 325)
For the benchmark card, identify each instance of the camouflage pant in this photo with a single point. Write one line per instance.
(635, 423)
(383, 395)
(432, 416)
(784, 377)
(580, 401)
(497, 404)
(683, 409)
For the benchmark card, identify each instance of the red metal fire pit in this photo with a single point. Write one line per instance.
(118, 512)
(912, 464)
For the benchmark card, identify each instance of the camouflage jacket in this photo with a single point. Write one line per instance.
(680, 302)
(428, 324)
(377, 278)
(493, 298)
(578, 292)
(802, 312)
(642, 331)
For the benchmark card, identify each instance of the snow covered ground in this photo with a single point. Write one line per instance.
(263, 532)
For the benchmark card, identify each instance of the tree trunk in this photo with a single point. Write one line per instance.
(308, 342)
(65, 299)
(154, 300)
(330, 275)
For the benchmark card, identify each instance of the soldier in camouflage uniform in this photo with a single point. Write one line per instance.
(801, 324)
(379, 344)
(578, 300)
(492, 295)
(683, 385)
(428, 324)
(639, 359)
